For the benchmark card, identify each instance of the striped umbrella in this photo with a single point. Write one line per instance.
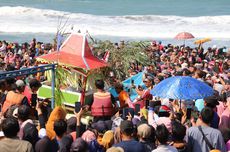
(184, 36)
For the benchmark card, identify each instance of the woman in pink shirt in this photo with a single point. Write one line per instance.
(225, 117)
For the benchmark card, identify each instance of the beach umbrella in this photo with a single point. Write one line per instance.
(182, 88)
(201, 41)
(184, 36)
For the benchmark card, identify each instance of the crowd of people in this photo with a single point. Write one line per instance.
(147, 124)
(14, 56)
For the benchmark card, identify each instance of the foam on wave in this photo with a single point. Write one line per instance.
(32, 20)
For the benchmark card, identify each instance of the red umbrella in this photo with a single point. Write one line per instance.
(184, 36)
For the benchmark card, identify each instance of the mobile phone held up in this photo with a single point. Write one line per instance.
(137, 109)
(77, 106)
(34, 98)
(132, 84)
(146, 104)
(126, 112)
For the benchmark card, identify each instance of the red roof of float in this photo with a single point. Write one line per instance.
(75, 52)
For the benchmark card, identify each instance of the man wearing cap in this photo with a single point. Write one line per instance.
(15, 97)
(128, 143)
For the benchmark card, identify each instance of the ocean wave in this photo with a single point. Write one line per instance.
(32, 20)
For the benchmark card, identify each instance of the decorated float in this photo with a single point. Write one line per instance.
(75, 71)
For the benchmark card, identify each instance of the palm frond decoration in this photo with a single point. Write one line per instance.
(60, 76)
(120, 57)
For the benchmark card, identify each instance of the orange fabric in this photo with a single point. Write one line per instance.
(11, 99)
(123, 96)
(56, 114)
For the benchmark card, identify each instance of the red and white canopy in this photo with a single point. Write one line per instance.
(75, 52)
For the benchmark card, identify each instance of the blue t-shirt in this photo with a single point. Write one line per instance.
(215, 121)
(131, 146)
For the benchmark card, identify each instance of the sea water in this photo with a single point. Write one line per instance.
(116, 19)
